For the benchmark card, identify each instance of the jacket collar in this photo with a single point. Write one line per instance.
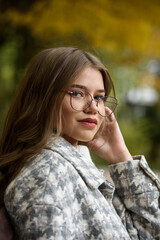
(88, 171)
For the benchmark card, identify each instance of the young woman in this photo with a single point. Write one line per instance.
(49, 189)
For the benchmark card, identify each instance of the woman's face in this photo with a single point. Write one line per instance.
(82, 125)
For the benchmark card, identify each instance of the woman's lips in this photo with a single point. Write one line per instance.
(89, 122)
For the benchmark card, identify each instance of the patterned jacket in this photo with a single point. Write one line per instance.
(61, 195)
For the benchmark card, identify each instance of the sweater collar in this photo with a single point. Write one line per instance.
(87, 169)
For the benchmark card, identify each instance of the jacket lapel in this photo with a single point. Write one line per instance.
(88, 171)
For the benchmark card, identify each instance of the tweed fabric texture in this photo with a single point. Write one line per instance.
(59, 194)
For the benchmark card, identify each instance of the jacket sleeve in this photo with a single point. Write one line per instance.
(137, 198)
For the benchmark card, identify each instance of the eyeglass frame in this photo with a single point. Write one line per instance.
(96, 101)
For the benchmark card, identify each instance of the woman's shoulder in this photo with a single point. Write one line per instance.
(41, 175)
(40, 167)
(44, 162)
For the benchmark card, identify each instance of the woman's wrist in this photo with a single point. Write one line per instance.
(122, 156)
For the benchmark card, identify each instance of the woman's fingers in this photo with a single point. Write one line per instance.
(109, 114)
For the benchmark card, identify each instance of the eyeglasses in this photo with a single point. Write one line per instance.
(80, 100)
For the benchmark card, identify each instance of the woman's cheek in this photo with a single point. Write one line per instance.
(101, 125)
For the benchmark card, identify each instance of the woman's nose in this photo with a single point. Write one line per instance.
(92, 108)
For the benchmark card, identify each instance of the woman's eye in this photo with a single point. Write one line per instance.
(99, 98)
(77, 94)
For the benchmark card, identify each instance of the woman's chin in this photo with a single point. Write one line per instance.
(86, 140)
(79, 139)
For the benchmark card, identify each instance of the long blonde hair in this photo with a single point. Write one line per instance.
(35, 112)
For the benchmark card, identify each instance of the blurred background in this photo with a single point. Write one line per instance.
(124, 34)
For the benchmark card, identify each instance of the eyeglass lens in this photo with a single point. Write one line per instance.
(81, 100)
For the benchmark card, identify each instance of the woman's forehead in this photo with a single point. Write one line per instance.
(89, 78)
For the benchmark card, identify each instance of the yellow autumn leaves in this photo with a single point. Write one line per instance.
(107, 24)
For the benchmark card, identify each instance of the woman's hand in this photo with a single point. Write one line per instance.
(108, 143)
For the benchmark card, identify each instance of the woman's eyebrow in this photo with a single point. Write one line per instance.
(78, 86)
(85, 88)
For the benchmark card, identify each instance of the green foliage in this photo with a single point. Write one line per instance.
(134, 133)
(8, 55)
(105, 24)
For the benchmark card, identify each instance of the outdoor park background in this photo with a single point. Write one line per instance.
(124, 34)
